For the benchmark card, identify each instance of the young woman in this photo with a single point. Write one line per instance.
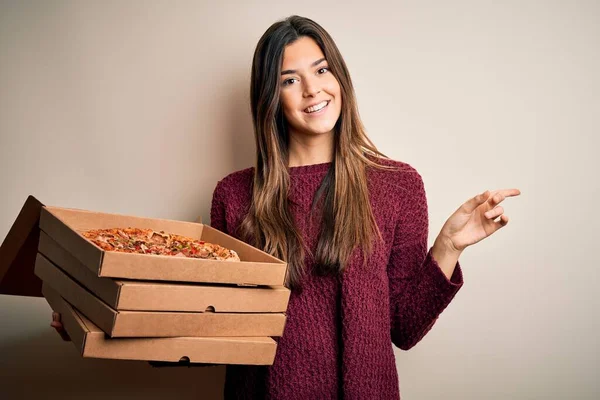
(351, 223)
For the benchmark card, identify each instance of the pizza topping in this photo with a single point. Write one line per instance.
(148, 241)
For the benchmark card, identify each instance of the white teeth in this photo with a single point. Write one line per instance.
(318, 107)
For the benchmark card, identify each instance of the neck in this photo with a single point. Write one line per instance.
(310, 149)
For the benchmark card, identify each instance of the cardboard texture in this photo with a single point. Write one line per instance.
(91, 342)
(256, 268)
(156, 324)
(17, 253)
(161, 296)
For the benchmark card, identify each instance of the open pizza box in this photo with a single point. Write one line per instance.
(122, 295)
(153, 323)
(63, 226)
(91, 342)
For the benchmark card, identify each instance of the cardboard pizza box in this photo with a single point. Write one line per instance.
(156, 324)
(64, 226)
(18, 250)
(162, 296)
(92, 342)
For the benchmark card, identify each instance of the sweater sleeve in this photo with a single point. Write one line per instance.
(217, 209)
(419, 289)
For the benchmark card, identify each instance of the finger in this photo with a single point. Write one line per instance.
(65, 336)
(502, 222)
(470, 205)
(510, 192)
(495, 199)
(493, 214)
(61, 330)
(56, 325)
(55, 316)
(499, 195)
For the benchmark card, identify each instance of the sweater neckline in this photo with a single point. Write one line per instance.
(309, 169)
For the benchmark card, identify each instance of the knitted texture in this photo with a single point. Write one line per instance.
(339, 332)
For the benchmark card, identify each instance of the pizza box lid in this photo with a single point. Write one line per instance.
(18, 253)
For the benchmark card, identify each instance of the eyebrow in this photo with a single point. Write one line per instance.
(293, 71)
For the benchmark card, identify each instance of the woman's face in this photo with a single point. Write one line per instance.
(310, 94)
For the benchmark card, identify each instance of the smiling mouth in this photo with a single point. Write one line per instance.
(316, 108)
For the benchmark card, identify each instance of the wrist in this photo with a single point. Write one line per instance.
(443, 245)
(446, 256)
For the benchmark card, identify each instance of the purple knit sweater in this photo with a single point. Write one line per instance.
(339, 331)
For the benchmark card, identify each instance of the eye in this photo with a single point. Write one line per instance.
(288, 81)
(323, 70)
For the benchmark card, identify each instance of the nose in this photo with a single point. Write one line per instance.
(311, 87)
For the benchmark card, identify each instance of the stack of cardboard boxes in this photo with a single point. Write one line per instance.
(160, 308)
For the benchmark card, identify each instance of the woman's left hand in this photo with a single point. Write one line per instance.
(474, 220)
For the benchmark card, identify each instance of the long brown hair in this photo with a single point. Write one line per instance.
(348, 220)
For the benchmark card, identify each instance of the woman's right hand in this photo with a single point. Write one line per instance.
(56, 324)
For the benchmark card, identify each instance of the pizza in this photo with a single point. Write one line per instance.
(148, 241)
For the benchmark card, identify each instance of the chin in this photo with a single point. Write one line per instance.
(323, 131)
(320, 129)
(314, 129)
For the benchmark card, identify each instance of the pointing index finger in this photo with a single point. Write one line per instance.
(498, 196)
(510, 192)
